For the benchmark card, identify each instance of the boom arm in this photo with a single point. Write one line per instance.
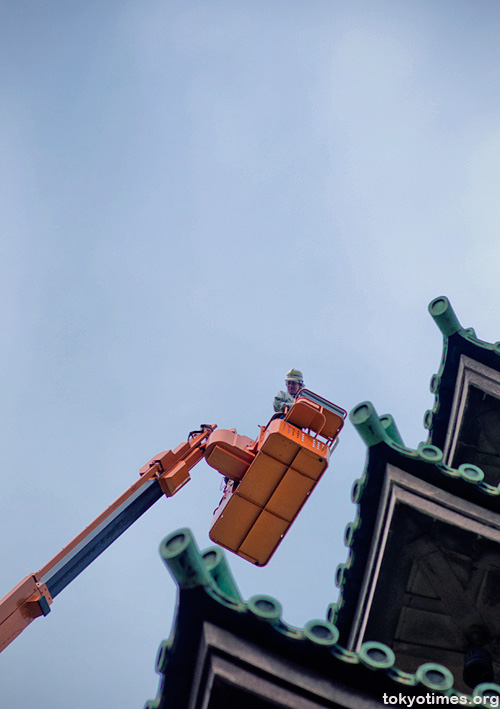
(268, 483)
(165, 474)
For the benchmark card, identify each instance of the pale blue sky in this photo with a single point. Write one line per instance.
(197, 196)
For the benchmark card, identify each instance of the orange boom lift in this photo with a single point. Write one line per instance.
(269, 481)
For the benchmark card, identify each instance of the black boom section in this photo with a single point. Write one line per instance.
(102, 537)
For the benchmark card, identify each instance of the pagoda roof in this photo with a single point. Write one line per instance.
(218, 640)
(434, 462)
(424, 463)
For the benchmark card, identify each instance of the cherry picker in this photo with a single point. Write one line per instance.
(268, 482)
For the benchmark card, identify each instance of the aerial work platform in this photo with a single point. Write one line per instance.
(271, 479)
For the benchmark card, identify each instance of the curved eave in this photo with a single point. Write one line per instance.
(314, 648)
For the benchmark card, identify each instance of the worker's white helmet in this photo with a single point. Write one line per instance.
(294, 375)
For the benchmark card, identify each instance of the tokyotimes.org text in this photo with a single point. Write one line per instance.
(404, 700)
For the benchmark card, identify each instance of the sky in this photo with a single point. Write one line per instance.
(196, 197)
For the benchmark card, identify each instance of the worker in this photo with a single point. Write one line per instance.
(294, 381)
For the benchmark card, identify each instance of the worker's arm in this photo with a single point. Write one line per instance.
(282, 399)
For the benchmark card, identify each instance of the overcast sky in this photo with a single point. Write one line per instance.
(196, 197)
